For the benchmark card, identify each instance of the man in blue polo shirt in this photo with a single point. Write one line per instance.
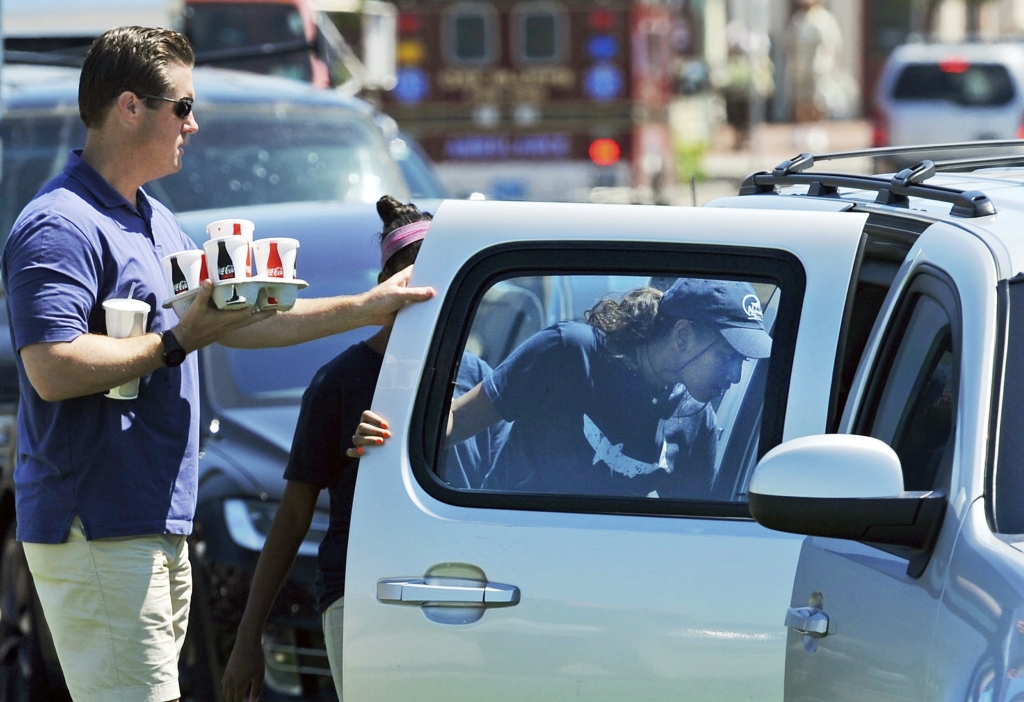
(106, 489)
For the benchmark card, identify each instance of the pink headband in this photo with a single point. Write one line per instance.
(402, 237)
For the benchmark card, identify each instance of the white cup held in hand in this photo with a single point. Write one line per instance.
(125, 318)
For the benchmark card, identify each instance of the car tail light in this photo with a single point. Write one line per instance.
(605, 152)
(879, 131)
(1020, 132)
(954, 65)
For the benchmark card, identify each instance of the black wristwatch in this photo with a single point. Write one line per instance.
(174, 355)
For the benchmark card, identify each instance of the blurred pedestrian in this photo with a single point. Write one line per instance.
(813, 46)
(106, 488)
(747, 81)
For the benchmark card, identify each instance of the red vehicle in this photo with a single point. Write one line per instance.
(539, 99)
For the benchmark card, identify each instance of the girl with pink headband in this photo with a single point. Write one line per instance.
(330, 414)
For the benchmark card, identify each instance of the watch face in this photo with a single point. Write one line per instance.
(174, 357)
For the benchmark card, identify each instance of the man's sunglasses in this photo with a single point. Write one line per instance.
(182, 106)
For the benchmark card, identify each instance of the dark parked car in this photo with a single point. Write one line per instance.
(299, 162)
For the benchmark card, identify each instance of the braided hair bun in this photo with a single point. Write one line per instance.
(394, 214)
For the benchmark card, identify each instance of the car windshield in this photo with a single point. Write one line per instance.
(271, 376)
(242, 155)
(975, 84)
(279, 154)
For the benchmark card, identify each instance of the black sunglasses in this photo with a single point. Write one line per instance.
(182, 106)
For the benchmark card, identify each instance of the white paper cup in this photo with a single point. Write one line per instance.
(275, 257)
(125, 318)
(230, 227)
(228, 259)
(185, 270)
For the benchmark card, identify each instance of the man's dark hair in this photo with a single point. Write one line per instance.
(133, 59)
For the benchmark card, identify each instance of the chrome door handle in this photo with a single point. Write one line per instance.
(811, 621)
(448, 591)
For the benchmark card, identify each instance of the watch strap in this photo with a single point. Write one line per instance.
(174, 354)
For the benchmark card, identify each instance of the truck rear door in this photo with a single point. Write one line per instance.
(457, 590)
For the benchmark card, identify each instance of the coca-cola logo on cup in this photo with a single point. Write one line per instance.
(225, 266)
(178, 280)
(275, 267)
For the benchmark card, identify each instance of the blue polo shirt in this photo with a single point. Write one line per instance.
(125, 467)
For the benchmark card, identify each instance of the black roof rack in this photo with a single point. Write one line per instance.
(806, 160)
(897, 190)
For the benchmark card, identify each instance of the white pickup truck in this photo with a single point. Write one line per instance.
(892, 303)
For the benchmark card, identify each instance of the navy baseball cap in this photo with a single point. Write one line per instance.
(731, 306)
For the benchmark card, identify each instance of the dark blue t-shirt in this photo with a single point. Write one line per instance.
(125, 467)
(331, 408)
(585, 422)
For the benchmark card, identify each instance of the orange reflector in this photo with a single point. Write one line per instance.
(604, 152)
(954, 65)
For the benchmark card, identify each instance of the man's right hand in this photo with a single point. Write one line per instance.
(244, 670)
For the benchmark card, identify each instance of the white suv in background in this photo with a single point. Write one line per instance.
(941, 93)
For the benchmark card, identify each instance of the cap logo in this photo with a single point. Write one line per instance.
(752, 307)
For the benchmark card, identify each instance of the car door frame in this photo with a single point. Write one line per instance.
(388, 542)
(968, 269)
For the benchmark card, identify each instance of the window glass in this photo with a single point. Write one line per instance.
(607, 385)
(540, 32)
(248, 155)
(472, 36)
(1008, 483)
(235, 25)
(35, 149)
(978, 84)
(916, 410)
(539, 40)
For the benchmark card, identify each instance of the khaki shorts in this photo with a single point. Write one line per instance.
(118, 610)
(333, 620)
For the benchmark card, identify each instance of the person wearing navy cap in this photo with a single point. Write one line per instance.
(618, 405)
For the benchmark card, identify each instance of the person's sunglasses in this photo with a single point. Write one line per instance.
(182, 106)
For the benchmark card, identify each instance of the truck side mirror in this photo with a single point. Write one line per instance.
(846, 487)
